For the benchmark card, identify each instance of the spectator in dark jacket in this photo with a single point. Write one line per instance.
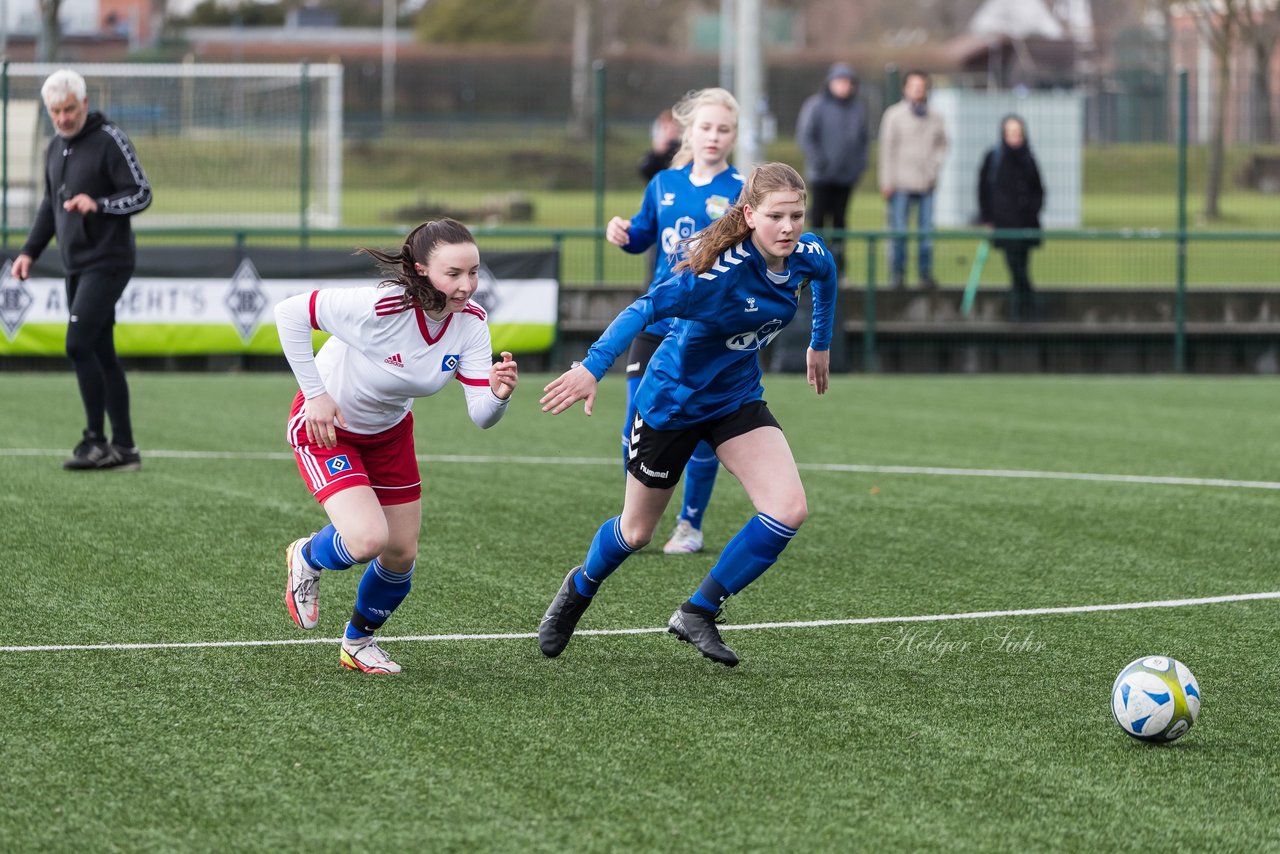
(832, 132)
(665, 138)
(1010, 195)
(93, 185)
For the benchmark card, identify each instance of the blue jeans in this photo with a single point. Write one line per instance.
(899, 211)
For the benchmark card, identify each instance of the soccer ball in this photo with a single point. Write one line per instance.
(1155, 699)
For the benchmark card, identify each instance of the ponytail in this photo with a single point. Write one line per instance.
(702, 249)
(418, 248)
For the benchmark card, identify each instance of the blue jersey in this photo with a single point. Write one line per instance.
(709, 366)
(674, 209)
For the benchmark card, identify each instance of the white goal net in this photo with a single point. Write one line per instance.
(222, 145)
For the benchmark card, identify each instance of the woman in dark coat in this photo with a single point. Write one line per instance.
(1010, 195)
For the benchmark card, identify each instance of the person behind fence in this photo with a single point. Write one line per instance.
(832, 132)
(93, 185)
(913, 143)
(664, 141)
(698, 189)
(732, 293)
(351, 427)
(1011, 195)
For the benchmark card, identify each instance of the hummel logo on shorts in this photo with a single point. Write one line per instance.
(394, 361)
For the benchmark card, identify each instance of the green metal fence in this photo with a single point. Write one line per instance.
(526, 183)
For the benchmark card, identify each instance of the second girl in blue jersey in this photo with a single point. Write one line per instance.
(730, 297)
(698, 189)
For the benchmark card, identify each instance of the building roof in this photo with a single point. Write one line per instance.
(1018, 19)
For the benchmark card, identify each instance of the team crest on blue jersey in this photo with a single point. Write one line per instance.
(337, 465)
(450, 362)
(717, 206)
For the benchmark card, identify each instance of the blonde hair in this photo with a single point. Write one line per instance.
(687, 107)
(702, 249)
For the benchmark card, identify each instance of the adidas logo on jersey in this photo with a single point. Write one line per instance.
(394, 361)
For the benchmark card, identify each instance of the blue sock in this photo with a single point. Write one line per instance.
(327, 551)
(608, 551)
(633, 383)
(699, 480)
(752, 550)
(380, 592)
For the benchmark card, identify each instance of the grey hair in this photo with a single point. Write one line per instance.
(61, 85)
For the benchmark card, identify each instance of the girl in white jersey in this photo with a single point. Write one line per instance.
(351, 427)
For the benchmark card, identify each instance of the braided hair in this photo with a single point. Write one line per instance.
(418, 248)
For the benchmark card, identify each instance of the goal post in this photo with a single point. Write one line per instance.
(222, 144)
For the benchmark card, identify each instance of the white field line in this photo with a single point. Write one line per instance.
(801, 624)
(933, 471)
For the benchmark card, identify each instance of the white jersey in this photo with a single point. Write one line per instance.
(384, 353)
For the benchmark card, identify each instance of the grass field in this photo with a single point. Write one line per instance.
(959, 735)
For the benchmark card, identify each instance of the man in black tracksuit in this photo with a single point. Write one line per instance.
(93, 185)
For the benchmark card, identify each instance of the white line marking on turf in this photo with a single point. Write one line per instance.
(933, 471)
(801, 624)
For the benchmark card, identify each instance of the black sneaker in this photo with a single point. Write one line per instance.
(89, 454)
(124, 459)
(698, 627)
(562, 617)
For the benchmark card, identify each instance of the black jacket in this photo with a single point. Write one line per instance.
(1010, 194)
(834, 138)
(100, 162)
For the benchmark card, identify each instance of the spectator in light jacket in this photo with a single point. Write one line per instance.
(913, 143)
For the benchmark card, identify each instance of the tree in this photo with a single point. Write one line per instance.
(50, 31)
(1219, 22)
(467, 21)
(1261, 31)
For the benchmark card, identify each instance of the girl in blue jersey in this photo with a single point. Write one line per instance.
(698, 189)
(732, 294)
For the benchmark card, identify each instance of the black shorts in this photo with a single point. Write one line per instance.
(643, 346)
(658, 457)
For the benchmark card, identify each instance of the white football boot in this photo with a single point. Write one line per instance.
(301, 587)
(685, 539)
(365, 655)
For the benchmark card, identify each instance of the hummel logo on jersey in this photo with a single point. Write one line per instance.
(651, 473)
(751, 304)
(337, 465)
(668, 199)
(450, 362)
(393, 361)
(807, 246)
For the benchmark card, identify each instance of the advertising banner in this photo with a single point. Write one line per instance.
(194, 301)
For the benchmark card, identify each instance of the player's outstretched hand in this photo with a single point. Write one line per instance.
(564, 391)
(618, 231)
(818, 363)
(320, 414)
(504, 376)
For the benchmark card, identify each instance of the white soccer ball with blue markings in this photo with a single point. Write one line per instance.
(1155, 699)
